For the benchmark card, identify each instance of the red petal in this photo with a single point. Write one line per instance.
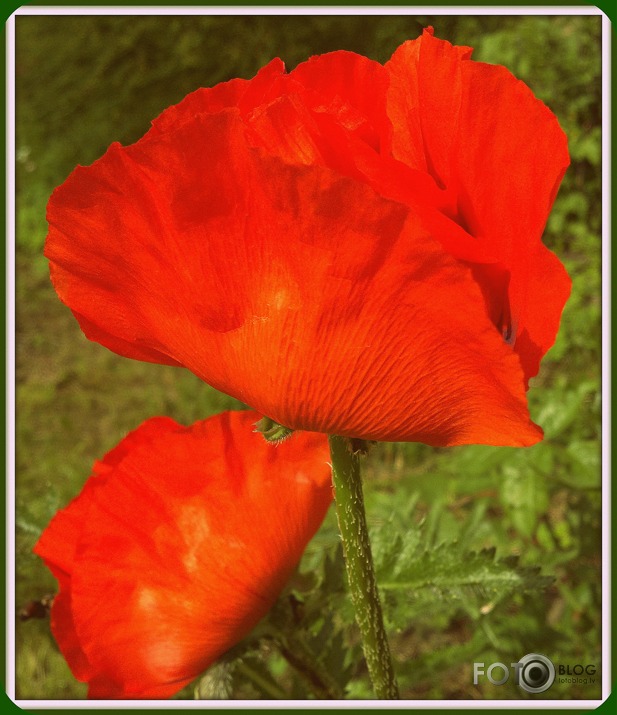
(290, 129)
(286, 129)
(509, 168)
(291, 288)
(331, 111)
(144, 435)
(423, 102)
(547, 286)
(57, 546)
(351, 89)
(499, 155)
(223, 519)
(63, 628)
(241, 93)
(57, 543)
(99, 335)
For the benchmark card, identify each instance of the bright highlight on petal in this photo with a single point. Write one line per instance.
(180, 542)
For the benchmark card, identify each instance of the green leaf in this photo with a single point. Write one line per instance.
(585, 472)
(560, 409)
(524, 495)
(448, 575)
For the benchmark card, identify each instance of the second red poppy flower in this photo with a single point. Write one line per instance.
(180, 542)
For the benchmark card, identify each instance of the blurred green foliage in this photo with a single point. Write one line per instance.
(83, 82)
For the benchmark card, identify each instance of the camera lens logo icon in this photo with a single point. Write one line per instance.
(535, 672)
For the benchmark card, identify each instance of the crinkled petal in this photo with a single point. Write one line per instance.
(237, 93)
(57, 543)
(499, 155)
(548, 286)
(63, 628)
(299, 291)
(187, 545)
(349, 88)
(509, 169)
(423, 102)
(57, 546)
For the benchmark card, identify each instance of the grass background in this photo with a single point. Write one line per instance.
(83, 82)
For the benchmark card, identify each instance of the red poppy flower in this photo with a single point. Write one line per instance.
(179, 543)
(350, 248)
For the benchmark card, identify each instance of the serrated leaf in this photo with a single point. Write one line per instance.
(473, 581)
(333, 654)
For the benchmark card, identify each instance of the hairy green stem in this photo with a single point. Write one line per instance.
(359, 563)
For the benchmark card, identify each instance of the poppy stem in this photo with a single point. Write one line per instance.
(359, 562)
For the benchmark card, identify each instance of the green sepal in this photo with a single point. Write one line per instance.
(272, 431)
